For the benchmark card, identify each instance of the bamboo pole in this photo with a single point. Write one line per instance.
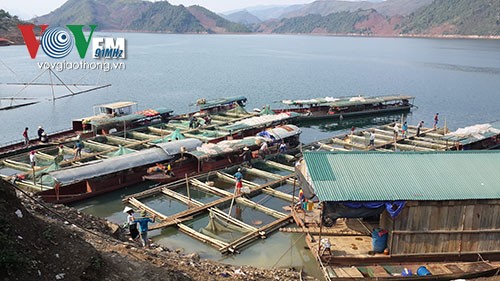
(187, 187)
(261, 208)
(320, 227)
(186, 200)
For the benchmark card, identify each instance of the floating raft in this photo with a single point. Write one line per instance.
(214, 208)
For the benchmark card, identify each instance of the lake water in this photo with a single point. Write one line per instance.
(458, 78)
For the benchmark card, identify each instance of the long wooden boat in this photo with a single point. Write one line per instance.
(111, 162)
(410, 271)
(345, 107)
(107, 118)
(209, 157)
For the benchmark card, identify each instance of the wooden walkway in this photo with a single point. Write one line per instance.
(196, 208)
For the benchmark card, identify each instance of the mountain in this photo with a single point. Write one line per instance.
(243, 17)
(215, 23)
(478, 17)
(8, 27)
(392, 18)
(360, 22)
(138, 15)
(387, 8)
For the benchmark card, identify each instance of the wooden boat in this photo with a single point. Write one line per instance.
(433, 271)
(344, 107)
(209, 157)
(107, 118)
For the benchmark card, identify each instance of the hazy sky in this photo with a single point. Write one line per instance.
(28, 8)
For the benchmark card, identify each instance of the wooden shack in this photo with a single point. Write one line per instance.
(450, 200)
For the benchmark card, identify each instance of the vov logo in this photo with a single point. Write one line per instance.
(57, 42)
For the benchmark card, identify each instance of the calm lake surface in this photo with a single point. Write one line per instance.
(458, 78)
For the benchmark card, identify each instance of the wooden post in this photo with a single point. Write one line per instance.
(444, 130)
(187, 186)
(232, 202)
(33, 169)
(320, 228)
(293, 194)
(124, 130)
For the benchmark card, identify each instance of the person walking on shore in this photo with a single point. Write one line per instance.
(143, 227)
(132, 227)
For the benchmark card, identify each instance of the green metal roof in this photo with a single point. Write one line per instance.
(421, 176)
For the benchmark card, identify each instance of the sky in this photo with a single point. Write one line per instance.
(27, 9)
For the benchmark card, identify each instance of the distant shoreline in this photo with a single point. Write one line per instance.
(428, 36)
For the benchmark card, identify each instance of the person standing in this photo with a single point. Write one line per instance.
(372, 139)
(25, 136)
(282, 147)
(132, 227)
(238, 176)
(419, 127)
(404, 129)
(247, 156)
(395, 129)
(436, 119)
(40, 132)
(78, 149)
(143, 227)
(263, 149)
(33, 159)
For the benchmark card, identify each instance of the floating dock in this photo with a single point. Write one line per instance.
(261, 186)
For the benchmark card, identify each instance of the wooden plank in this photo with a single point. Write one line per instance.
(261, 208)
(210, 189)
(454, 268)
(261, 232)
(330, 272)
(353, 272)
(438, 269)
(379, 271)
(202, 237)
(262, 173)
(184, 199)
(340, 272)
(279, 194)
(142, 206)
(228, 177)
(280, 166)
(229, 219)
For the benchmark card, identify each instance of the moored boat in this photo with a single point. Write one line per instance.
(344, 107)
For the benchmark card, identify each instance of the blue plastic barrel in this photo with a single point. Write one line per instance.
(379, 242)
(423, 271)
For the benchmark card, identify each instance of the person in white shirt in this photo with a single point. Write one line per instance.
(263, 149)
(33, 158)
(396, 131)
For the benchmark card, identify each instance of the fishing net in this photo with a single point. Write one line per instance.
(219, 228)
(121, 151)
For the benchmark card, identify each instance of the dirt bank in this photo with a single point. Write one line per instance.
(39, 244)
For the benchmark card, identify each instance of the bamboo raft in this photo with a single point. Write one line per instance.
(213, 208)
(429, 140)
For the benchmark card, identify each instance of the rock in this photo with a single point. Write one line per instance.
(19, 213)
(60, 276)
(194, 256)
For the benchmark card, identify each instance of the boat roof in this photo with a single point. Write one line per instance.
(160, 153)
(208, 150)
(346, 101)
(417, 176)
(475, 133)
(116, 105)
(106, 120)
(258, 121)
(222, 101)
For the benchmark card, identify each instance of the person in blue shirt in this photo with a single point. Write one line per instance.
(239, 181)
(143, 227)
(404, 130)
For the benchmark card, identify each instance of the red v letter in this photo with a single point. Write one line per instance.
(29, 37)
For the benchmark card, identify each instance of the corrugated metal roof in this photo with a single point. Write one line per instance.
(108, 166)
(116, 105)
(162, 152)
(374, 176)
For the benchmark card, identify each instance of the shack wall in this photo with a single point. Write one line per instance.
(451, 227)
